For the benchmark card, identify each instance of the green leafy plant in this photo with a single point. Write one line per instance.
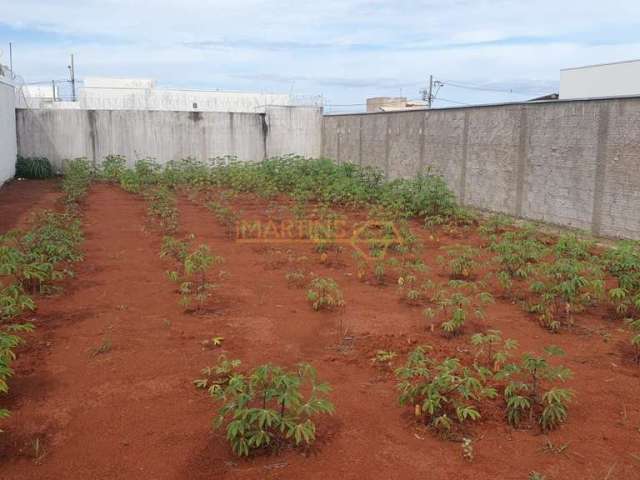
(112, 168)
(573, 247)
(267, 408)
(462, 260)
(517, 253)
(9, 341)
(325, 294)
(217, 377)
(296, 278)
(174, 248)
(195, 279)
(495, 225)
(443, 394)
(225, 215)
(634, 324)
(455, 303)
(531, 390)
(78, 174)
(33, 167)
(564, 287)
(536, 476)
(623, 262)
(384, 358)
(491, 349)
(162, 206)
(43, 254)
(13, 302)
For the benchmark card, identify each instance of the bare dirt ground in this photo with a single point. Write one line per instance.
(133, 412)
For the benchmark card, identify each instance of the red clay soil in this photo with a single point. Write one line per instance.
(20, 197)
(132, 412)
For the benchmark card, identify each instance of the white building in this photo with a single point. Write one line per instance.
(101, 93)
(604, 80)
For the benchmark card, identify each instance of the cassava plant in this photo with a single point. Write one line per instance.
(216, 377)
(162, 207)
(531, 392)
(296, 278)
(225, 215)
(195, 281)
(176, 249)
(461, 260)
(517, 253)
(491, 350)
(384, 359)
(43, 254)
(78, 174)
(495, 225)
(564, 287)
(325, 294)
(271, 407)
(444, 395)
(112, 168)
(634, 324)
(455, 303)
(623, 263)
(10, 339)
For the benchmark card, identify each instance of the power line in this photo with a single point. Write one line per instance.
(468, 86)
(452, 101)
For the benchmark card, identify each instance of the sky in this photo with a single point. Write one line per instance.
(345, 50)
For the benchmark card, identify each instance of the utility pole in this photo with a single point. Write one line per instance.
(73, 79)
(429, 94)
(11, 57)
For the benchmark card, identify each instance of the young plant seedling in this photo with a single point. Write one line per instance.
(325, 294)
(195, 283)
(295, 278)
(384, 358)
(217, 377)
(455, 304)
(104, 347)
(491, 349)
(461, 260)
(211, 343)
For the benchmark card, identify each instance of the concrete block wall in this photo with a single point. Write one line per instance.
(8, 148)
(570, 163)
(165, 136)
(293, 130)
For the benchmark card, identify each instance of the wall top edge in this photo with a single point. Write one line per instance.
(199, 112)
(492, 105)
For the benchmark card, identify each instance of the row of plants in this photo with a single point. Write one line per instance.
(270, 407)
(561, 280)
(553, 278)
(322, 180)
(196, 271)
(33, 262)
(447, 394)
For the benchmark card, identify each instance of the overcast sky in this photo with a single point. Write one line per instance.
(346, 50)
